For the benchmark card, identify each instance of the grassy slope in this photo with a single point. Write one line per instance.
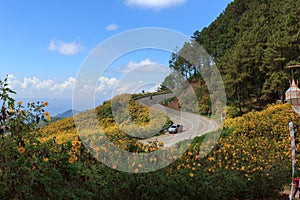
(65, 129)
(252, 152)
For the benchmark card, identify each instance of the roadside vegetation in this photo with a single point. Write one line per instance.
(251, 43)
(250, 160)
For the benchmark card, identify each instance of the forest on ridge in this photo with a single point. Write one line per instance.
(252, 43)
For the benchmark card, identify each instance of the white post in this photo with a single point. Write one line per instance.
(292, 138)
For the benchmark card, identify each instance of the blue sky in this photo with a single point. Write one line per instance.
(44, 43)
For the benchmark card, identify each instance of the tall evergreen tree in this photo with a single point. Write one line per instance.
(252, 43)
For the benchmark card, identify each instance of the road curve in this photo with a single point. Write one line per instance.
(193, 125)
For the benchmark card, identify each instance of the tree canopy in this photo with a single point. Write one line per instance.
(252, 43)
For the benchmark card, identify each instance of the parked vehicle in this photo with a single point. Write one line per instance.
(175, 128)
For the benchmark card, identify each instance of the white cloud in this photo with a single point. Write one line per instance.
(66, 85)
(127, 87)
(106, 84)
(52, 46)
(153, 4)
(29, 83)
(12, 81)
(145, 66)
(33, 87)
(112, 27)
(135, 87)
(65, 48)
(36, 83)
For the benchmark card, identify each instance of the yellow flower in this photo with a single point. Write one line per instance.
(47, 115)
(74, 148)
(46, 103)
(71, 160)
(46, 159)
(74, 157)
(21, 149)
(191, 175)
(161, 144)
(211, 159)
(78, 144)
(74, 143)
(19, 103)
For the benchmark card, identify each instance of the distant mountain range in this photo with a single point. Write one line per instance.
(67, 114)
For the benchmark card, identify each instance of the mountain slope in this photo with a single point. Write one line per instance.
(252, 43)
(111, 120)
(67, 114)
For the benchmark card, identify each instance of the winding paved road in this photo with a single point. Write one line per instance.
(193, 125)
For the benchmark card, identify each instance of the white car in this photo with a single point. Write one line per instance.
(175, 128)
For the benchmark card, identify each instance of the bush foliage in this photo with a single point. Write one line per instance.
(251, 160)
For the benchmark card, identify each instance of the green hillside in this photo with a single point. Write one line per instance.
(251, 158)
(114, 125)
(252, 43)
